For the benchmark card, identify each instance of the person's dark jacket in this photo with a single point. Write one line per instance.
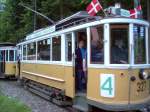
(79, 60)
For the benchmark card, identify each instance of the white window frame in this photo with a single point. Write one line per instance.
(52, 61)
(44, 61)
(72, 41)
(89, 46)
(107, 63)
(146, 48)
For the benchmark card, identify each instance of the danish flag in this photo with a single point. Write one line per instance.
(135, 12)
(93, 7)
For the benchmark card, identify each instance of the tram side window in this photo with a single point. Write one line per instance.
(31, 51)
(68, 43)
(56, 48)
(43, 52)
(139, 44)
(97, 45)
(24, 52)
(119, 44)
(11, 55)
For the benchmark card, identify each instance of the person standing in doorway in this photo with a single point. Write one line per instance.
(81, 66)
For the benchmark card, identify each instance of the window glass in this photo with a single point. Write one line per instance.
(7, 55)
(2, 55)
(68, 44)
(11, 55)
(139, 44)
(31, 51)
(97, 45)
(24, 52)
(119, 41)
(15, 55)
(56, 48)
(43, 52)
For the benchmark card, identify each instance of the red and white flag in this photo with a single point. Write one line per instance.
(134, 13)
(94, 7)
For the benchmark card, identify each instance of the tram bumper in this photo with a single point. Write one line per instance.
(121, 107)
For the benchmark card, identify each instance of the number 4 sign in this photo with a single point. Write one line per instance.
(107, 85)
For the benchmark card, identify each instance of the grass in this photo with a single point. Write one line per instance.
(12, 105)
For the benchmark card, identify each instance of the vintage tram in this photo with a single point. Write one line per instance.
(118, 64)
(7, 60)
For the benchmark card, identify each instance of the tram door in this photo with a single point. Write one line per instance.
(80, 61)
(2, 62)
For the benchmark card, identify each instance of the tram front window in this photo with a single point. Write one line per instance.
(11, 55)
(139, 44)
(97, 46)
(44, 50)
(7, 55)
(119, 44)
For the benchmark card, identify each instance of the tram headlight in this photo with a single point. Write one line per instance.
(143, 75)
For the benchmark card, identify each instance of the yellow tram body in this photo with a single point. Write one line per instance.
(8, 60)
(10, 68)
(129, 94)
(130, 84)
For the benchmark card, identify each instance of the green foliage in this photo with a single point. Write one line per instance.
(12, 105)
(16, 22)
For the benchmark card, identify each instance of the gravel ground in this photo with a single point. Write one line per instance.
(36, 103)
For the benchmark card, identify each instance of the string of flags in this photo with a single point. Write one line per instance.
(135, 12)
(94, 7)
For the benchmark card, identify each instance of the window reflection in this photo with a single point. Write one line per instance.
(119, 44)
(11, 55)
(44, 49)
(56, 48)
(31, 51)
(139, 44)
(97, 46)
(68, 47)
(7, 55)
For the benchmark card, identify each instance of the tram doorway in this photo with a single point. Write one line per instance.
(2, 62)
(81, 61)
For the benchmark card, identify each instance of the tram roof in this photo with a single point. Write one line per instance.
(6, 44)
(74, 20)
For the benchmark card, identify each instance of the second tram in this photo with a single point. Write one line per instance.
(7, 60)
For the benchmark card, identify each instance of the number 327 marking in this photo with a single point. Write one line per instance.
(141, 86)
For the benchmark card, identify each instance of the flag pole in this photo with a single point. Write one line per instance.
(103, 9)
(104, 12)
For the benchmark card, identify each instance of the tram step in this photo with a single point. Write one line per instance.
(45, 93)
(80, 103)
(39, 93)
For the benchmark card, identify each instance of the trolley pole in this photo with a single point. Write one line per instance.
(38, 13)
(35, 20)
